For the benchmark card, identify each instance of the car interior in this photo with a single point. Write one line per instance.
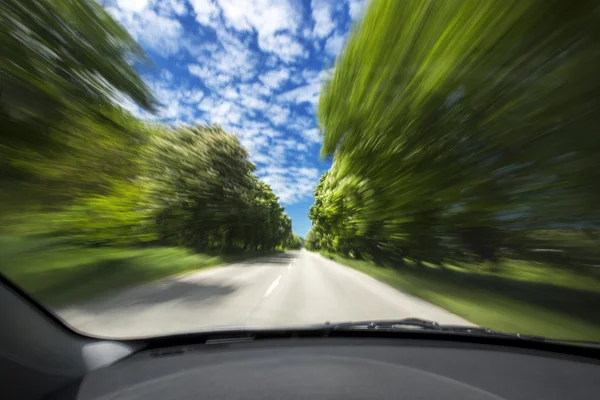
(41, 358)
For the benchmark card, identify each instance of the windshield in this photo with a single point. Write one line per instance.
(178, 166)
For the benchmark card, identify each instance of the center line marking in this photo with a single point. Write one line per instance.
(273, 286)
(290, 266)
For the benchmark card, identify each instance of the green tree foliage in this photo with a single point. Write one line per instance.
(208, 195)
(190, 186)
(100, 149)
(62, 61)
(456, 127)
(312, 240)
(294, 242)
(75, 165)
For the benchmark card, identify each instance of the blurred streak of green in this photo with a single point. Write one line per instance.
(77, 167)
(462, 125)
(464, 132)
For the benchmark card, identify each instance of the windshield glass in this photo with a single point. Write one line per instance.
(177, 166)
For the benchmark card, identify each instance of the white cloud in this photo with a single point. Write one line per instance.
(231, 60)
(287, 48)
(308, 93)
(160, 33)
(222, 112)
(132, 5)
(296, 77)
(271, 61)
(265, 16)
(268, 18)
(207, 12)
(292, 145)
(299, 123)
(193, 96)
(253, 102)
(171, 7)
(289, 143)
(227, 112)
(310, 74)
(356, 8)
(275, 78)
(235, 59)
(207, 104)
(306, 128)
(256, 88)
(257, 137)
(212, 79)
(177, 103)
(200, 72)
(335, 44)
(278, 153)
(231, 94)
(257, 128)
(303, 94)
(291, 184)
(278, 158)
(301, 147)
(312, 135)
(322, 13)
(197, 48)
(278, 114)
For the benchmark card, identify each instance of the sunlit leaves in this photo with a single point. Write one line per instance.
(463, 120)
(84, 168)
(207, 194)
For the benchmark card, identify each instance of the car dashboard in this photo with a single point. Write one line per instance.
(341, 368)
(41, 358)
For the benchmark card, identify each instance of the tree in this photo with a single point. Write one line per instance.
(294, 242)
(454, 125)
(312, 240)
(75, 164)
(64, 60)
(207, 195)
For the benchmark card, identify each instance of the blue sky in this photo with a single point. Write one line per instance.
(254, 67)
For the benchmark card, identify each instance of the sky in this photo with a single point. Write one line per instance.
(255, 67)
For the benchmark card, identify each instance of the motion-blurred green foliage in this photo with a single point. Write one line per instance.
(465, 131)
(62, 58)
(75, 165)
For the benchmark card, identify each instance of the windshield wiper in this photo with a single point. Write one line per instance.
(417, 323)
(406, 323)
(475, 330)
(412, 324)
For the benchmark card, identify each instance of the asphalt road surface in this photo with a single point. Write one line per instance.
(288, 289)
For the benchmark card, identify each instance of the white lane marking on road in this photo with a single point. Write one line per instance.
(290, 266)
(273, 286)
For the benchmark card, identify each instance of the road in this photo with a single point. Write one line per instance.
(287, 289)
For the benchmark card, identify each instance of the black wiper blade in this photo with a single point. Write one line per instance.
(476, 330)
(417, 323)
(406, 323)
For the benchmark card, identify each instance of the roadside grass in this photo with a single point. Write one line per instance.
(534, 299)
(57, 273)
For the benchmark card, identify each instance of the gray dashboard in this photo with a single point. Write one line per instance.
(334, 368)
(41, 358)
